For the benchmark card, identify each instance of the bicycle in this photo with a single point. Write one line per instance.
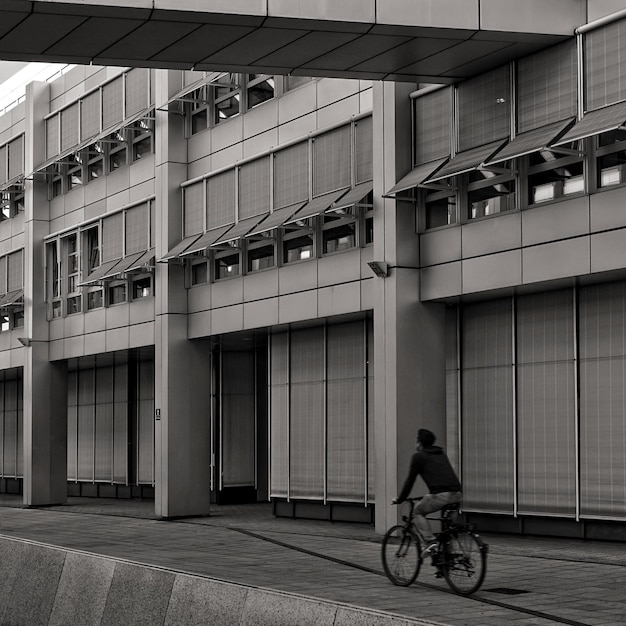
(460, 558)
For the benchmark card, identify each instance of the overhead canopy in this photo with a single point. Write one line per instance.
(531, 141)
(179, 248)
(596, 122)
(353, 196)
(100, 272)
(275, 219)
(123, 265)
(416, 177)
(467, 161)
(203, 242)
(240, 229)
(316, 206)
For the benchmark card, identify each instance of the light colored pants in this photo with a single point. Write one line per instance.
(429, 504)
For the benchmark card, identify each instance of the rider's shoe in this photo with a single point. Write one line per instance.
(430, 550)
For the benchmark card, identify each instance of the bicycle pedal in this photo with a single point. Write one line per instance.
(438, 575)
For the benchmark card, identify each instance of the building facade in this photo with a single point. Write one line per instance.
(222, 287)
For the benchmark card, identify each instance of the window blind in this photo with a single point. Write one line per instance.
(332, 161)
(10, 418)
(602, 309)
(112, 237)
(103, 442)
(605, 65)
(279, 414)
(307, 414)
(137, 91)
(221, 199)
(4, 170)
(136, 233)
(112, 103)
(145, 423)
(487, 405)
(291, 175)
(546, 417)
(15, 265)
(15, 155)
(433, 115)
(3, 274)
(52, 136)
(90, 115)
(254, 188)
(346, 436)
(547, 86)
(484, 108)
(69, 127)
(194, 209)
(364, 152)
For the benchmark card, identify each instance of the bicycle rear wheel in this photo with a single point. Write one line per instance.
(465, 561)
(401, 555)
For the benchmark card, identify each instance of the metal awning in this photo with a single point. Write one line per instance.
(353, 196)
(240, 229)
(415, 177)
(531, 141)
(596, 122)
(205, 240)
(100, 272)
(16, 180)
(123, 265)
(467, 161)
(12, 298)
(145, 261)
(181, 247)
(316, 206)
(207, 80)
(275, 219)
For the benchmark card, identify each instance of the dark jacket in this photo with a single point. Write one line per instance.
(433, 466)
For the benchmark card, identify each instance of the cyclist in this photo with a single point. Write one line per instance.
(432, 464)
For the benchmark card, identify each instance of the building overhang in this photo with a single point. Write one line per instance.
(434, 41)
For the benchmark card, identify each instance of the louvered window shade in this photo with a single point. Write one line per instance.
(112, 103)
(194, 209)
(145, 423)
(291, 175)
(547, 87)
(605, 65)
(254, 188)
(346, 436)
(602, 310)
(332, 161)
(52, 136)
(487, 405)
(546, 404)
(221, 199)
(15, 155)
(112, 237)
(307, 414)
(69, 127)
(484, 108)
(3, 274)
(363, 152)
(137, 231)
(137, 91)
(3, 164)
(433, 115)
(15, 266)
(90, 116)
(279, 418)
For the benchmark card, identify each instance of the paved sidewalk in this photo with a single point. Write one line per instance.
(529, 580)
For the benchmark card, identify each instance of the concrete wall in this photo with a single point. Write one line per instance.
(41, 584)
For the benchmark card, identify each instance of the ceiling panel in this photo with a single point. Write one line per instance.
(37, 32)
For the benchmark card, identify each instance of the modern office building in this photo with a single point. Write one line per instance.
(236, 287)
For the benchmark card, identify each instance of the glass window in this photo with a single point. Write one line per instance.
(74, 175)
(440, 207)
(94, 298)
(552, 175)
(117, 292)
(227, 98)
(611, 158)
(339, 230)
(95, 162)
(227, 263)
(262, 252)
(298, 240)
(199, 272)
(489, 194)
(18, 318)
(142, 287)
(260, 89)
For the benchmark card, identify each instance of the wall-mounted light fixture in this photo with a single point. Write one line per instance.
(380, 268)
(25, 341)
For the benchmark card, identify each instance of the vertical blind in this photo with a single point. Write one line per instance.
(15, 270)
(487, 402)
(221, 199)
(4, 169)
(433, 115)
(332, 162)
(69, 127)
(137, 91)
(52, 136)
(363, 151)
(605, 65)
(291, 175)
(254, 188)
(547, 86)
(144, 410)
(112, 237)
(15, 155)
(484, 108)
(90, 115)
(11, 424)
(112, 103)
(3, 274)
(136, 231)
(546, 419)
(279, 402)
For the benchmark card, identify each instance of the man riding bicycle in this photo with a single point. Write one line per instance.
(431, 463)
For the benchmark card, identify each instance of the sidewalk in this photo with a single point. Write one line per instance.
(529, 580)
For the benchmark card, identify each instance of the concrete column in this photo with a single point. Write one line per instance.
(45, 383)
(182, 367)
(409, 346)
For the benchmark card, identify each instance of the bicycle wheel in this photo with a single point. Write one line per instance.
(401, 555)
(465, 561)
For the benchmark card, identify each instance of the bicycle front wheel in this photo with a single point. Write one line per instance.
(401, 555)
(465, 561)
